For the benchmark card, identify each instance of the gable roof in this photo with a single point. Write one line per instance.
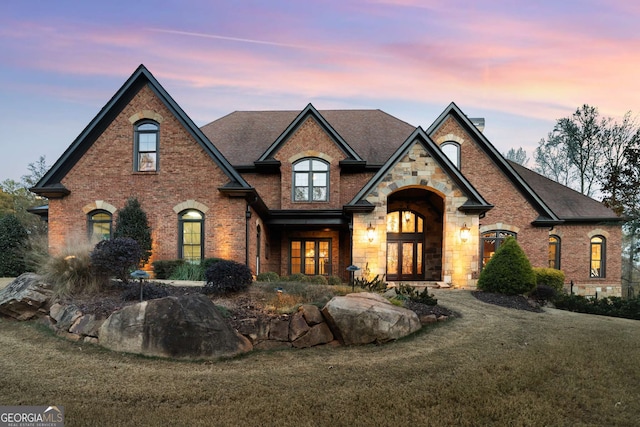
(568, 204)
(245, 136)
(475, 202)
(50, 184)
(546, 215)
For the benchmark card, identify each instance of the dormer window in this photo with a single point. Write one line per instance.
(146, 146)
(452, 151)
(310, 181)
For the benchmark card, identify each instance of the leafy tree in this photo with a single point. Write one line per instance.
(23, 199)
(6, 203)
(508, 271)
(132, 222)
(13, 238)
(519, 156)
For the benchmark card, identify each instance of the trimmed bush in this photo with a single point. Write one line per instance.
(508, 271)
(612, 306)
(269, 276)
(13, 239)
(334, 281)
(318, 280)
(208, 262)
(227, 276)
(117, 257)
(543, 293)
(549, 277)
(164, 269)
(297, 277)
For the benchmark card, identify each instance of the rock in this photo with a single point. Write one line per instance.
(317, 335)
(428, 318)
(272, 345)
(364, 318)
(26, 297)
(86, 325)
(311, 314)
(180, 327)
(255, 329)
(297, 326)
(279, 330)
(65, 315)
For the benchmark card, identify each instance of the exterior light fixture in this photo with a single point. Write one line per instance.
(464, 232)
(370, 232)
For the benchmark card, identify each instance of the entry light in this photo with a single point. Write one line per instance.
(464, 232)
(370, 232)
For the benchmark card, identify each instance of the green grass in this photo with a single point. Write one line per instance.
(491, 367)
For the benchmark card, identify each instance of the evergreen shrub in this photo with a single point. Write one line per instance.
(132, 222)
(13, 239)
(164, 269)
(549, 277)
(269, 276)
(508, 271)
(227, 277)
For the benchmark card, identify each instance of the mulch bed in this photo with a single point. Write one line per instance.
(517, 302)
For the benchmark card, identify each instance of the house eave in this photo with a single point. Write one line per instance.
(307, 218)
(57, 191)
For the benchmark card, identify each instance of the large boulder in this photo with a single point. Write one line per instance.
(179, 327)
(26, 297)
(364, 318)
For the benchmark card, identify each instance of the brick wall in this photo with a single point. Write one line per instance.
(185, 172)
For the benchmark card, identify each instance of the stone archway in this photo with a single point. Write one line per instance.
(414, 235)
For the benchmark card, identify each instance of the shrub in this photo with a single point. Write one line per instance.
(549, 277)
(227, 276)
(404, 291)
(117, 257)
(269, 276)
(612, 306)
(149, 291)
(318, 280)
(508, 271)
(334, 281)
(208, 262)
(543, 293)
(377, 284)
(188, 271)
(71, 272)
(13, 239)
(164, 269)
(297, 277)
(132, 222)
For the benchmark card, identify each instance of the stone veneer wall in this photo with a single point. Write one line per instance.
(417, 169)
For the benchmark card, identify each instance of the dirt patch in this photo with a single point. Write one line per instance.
(517, 302)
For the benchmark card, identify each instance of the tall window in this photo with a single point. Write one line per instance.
(491, 241)
(597, 257)
(554, 252)
(405, 245)
(191, 226)
(312, 257)
(146, 146)
(99, 225)
(310, 181)
(452, 151)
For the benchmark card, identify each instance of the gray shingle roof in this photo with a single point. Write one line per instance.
(567, 204)
(243, 136)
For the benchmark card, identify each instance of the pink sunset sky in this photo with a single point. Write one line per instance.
(520, 65)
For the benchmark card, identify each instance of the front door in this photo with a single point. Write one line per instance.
(405, 246)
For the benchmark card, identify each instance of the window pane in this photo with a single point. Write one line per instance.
(310, 257)
(408, 222)
(319, 166)
(148, 126)
(147, 141)
(552, 255)
(101, 217)
(392, 258)
(420, 225)
(419, 258)
(320, 179)
(451, 151)
(407, 258)
(301, 194)
(101, 230)
(393, 224)
(323, 258)
(319, 193)
(147, 162)
(301, 179)
(302, 166)
(488, 249)
(192, 215)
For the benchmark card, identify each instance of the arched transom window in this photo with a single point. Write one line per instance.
(310, 181)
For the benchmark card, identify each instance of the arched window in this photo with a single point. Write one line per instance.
(554, 252)
(99, 224)
(191, 229)
(311, 181)
(490, 241)
(452, 151)
(598, 257)
(147, 134)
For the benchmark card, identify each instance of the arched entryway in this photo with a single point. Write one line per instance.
(414, 235)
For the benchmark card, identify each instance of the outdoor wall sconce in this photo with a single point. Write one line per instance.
(464, 232)
(370, 232)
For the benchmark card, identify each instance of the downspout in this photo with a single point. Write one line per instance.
(247, 216)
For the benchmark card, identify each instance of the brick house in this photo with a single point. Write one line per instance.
(316, 191)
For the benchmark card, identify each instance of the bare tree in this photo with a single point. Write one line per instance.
(519, 156)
